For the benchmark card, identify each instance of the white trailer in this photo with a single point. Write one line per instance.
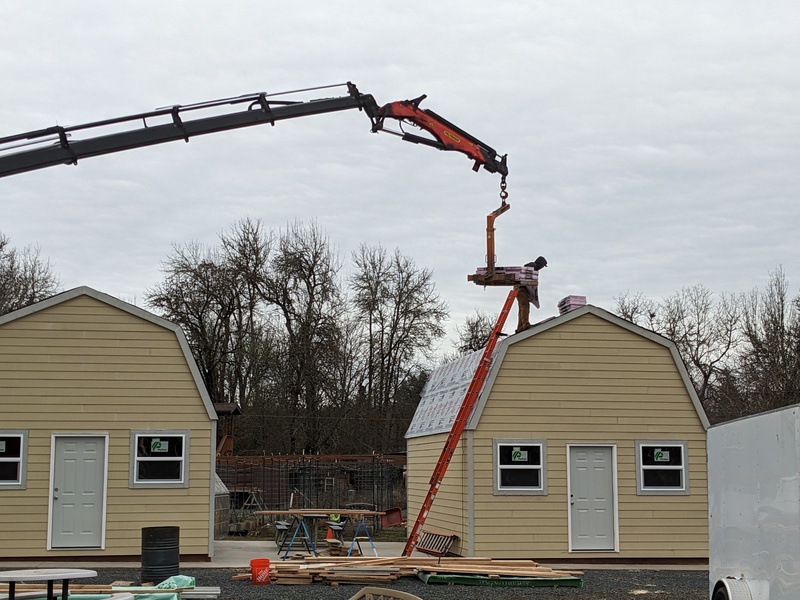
(754, 507)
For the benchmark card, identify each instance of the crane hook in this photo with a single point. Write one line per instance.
(503, 192)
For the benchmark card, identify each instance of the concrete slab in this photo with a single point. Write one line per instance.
(237, 554)
(229, 554)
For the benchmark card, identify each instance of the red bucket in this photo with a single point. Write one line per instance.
(259, 571)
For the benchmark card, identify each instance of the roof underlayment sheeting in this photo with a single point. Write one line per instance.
(442, 396)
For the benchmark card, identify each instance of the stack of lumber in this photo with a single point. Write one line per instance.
(293, 573)
(370, 571)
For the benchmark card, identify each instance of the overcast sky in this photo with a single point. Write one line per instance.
(651, 145)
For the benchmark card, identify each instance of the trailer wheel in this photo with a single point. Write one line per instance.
(721, 594)
(734, 589)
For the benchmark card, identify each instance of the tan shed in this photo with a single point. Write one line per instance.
(587, 443)
(107, 429)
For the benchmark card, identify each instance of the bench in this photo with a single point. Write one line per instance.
(435, 544)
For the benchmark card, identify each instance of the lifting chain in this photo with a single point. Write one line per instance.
(503, 192)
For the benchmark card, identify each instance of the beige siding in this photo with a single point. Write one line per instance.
(450, 510)
(585, 381)
(85, 366)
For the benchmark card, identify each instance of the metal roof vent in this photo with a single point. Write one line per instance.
(569, 303)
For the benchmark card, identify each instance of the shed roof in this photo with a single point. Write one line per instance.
(442, 396)
(131, 309)
(227, 408)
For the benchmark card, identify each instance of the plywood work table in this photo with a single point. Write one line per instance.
(299, 529)
(321, 511)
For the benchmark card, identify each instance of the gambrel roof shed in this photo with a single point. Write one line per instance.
(94, 386)
(587, 439)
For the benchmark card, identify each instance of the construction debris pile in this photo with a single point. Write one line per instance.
(373, 571)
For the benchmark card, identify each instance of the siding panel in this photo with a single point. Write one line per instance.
(86, 366)
(585, 381)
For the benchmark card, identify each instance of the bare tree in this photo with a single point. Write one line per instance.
(270, 327)
(213, 294)
(246, 252)
(199, 294)
(303, 289)
(637, 309)
(704, 329)
(345, 400)
(402, 314)
(727, 399)
(769, 368)
(25, 277)
(475, 332)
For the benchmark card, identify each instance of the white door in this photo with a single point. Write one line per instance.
(78, 489)
(592, 503)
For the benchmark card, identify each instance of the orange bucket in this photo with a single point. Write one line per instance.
(259, 571)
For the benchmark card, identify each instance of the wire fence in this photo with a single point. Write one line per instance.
(375, 482)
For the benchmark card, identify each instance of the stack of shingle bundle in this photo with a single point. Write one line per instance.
(570, 303)
(525, 275)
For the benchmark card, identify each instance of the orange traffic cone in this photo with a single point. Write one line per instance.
(329, 535)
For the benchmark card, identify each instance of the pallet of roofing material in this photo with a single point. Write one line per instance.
(505, 276)
(570, 303)
(500, 580)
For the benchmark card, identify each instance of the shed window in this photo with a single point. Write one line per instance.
(159, 458)
(519, 467)
(13, 446)
(661, 468)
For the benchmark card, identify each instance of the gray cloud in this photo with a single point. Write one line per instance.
(651, 145)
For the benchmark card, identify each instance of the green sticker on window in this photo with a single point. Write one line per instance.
(159, 445)
(660, 455)
(519, 455)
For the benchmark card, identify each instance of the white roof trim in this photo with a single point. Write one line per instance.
(565, 318)
(131, 309)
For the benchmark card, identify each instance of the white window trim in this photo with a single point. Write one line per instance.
(663, 491)
(23, 459)
(133, 482)
(526, 491)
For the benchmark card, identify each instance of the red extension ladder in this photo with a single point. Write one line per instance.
(459, 424)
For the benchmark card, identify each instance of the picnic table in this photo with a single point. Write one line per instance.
(48, 575)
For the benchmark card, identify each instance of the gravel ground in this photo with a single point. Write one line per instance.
(598, 585)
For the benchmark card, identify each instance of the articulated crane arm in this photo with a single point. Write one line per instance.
(67, 145)
(448, 136)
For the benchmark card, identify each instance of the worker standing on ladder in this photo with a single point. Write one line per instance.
(527, 295)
